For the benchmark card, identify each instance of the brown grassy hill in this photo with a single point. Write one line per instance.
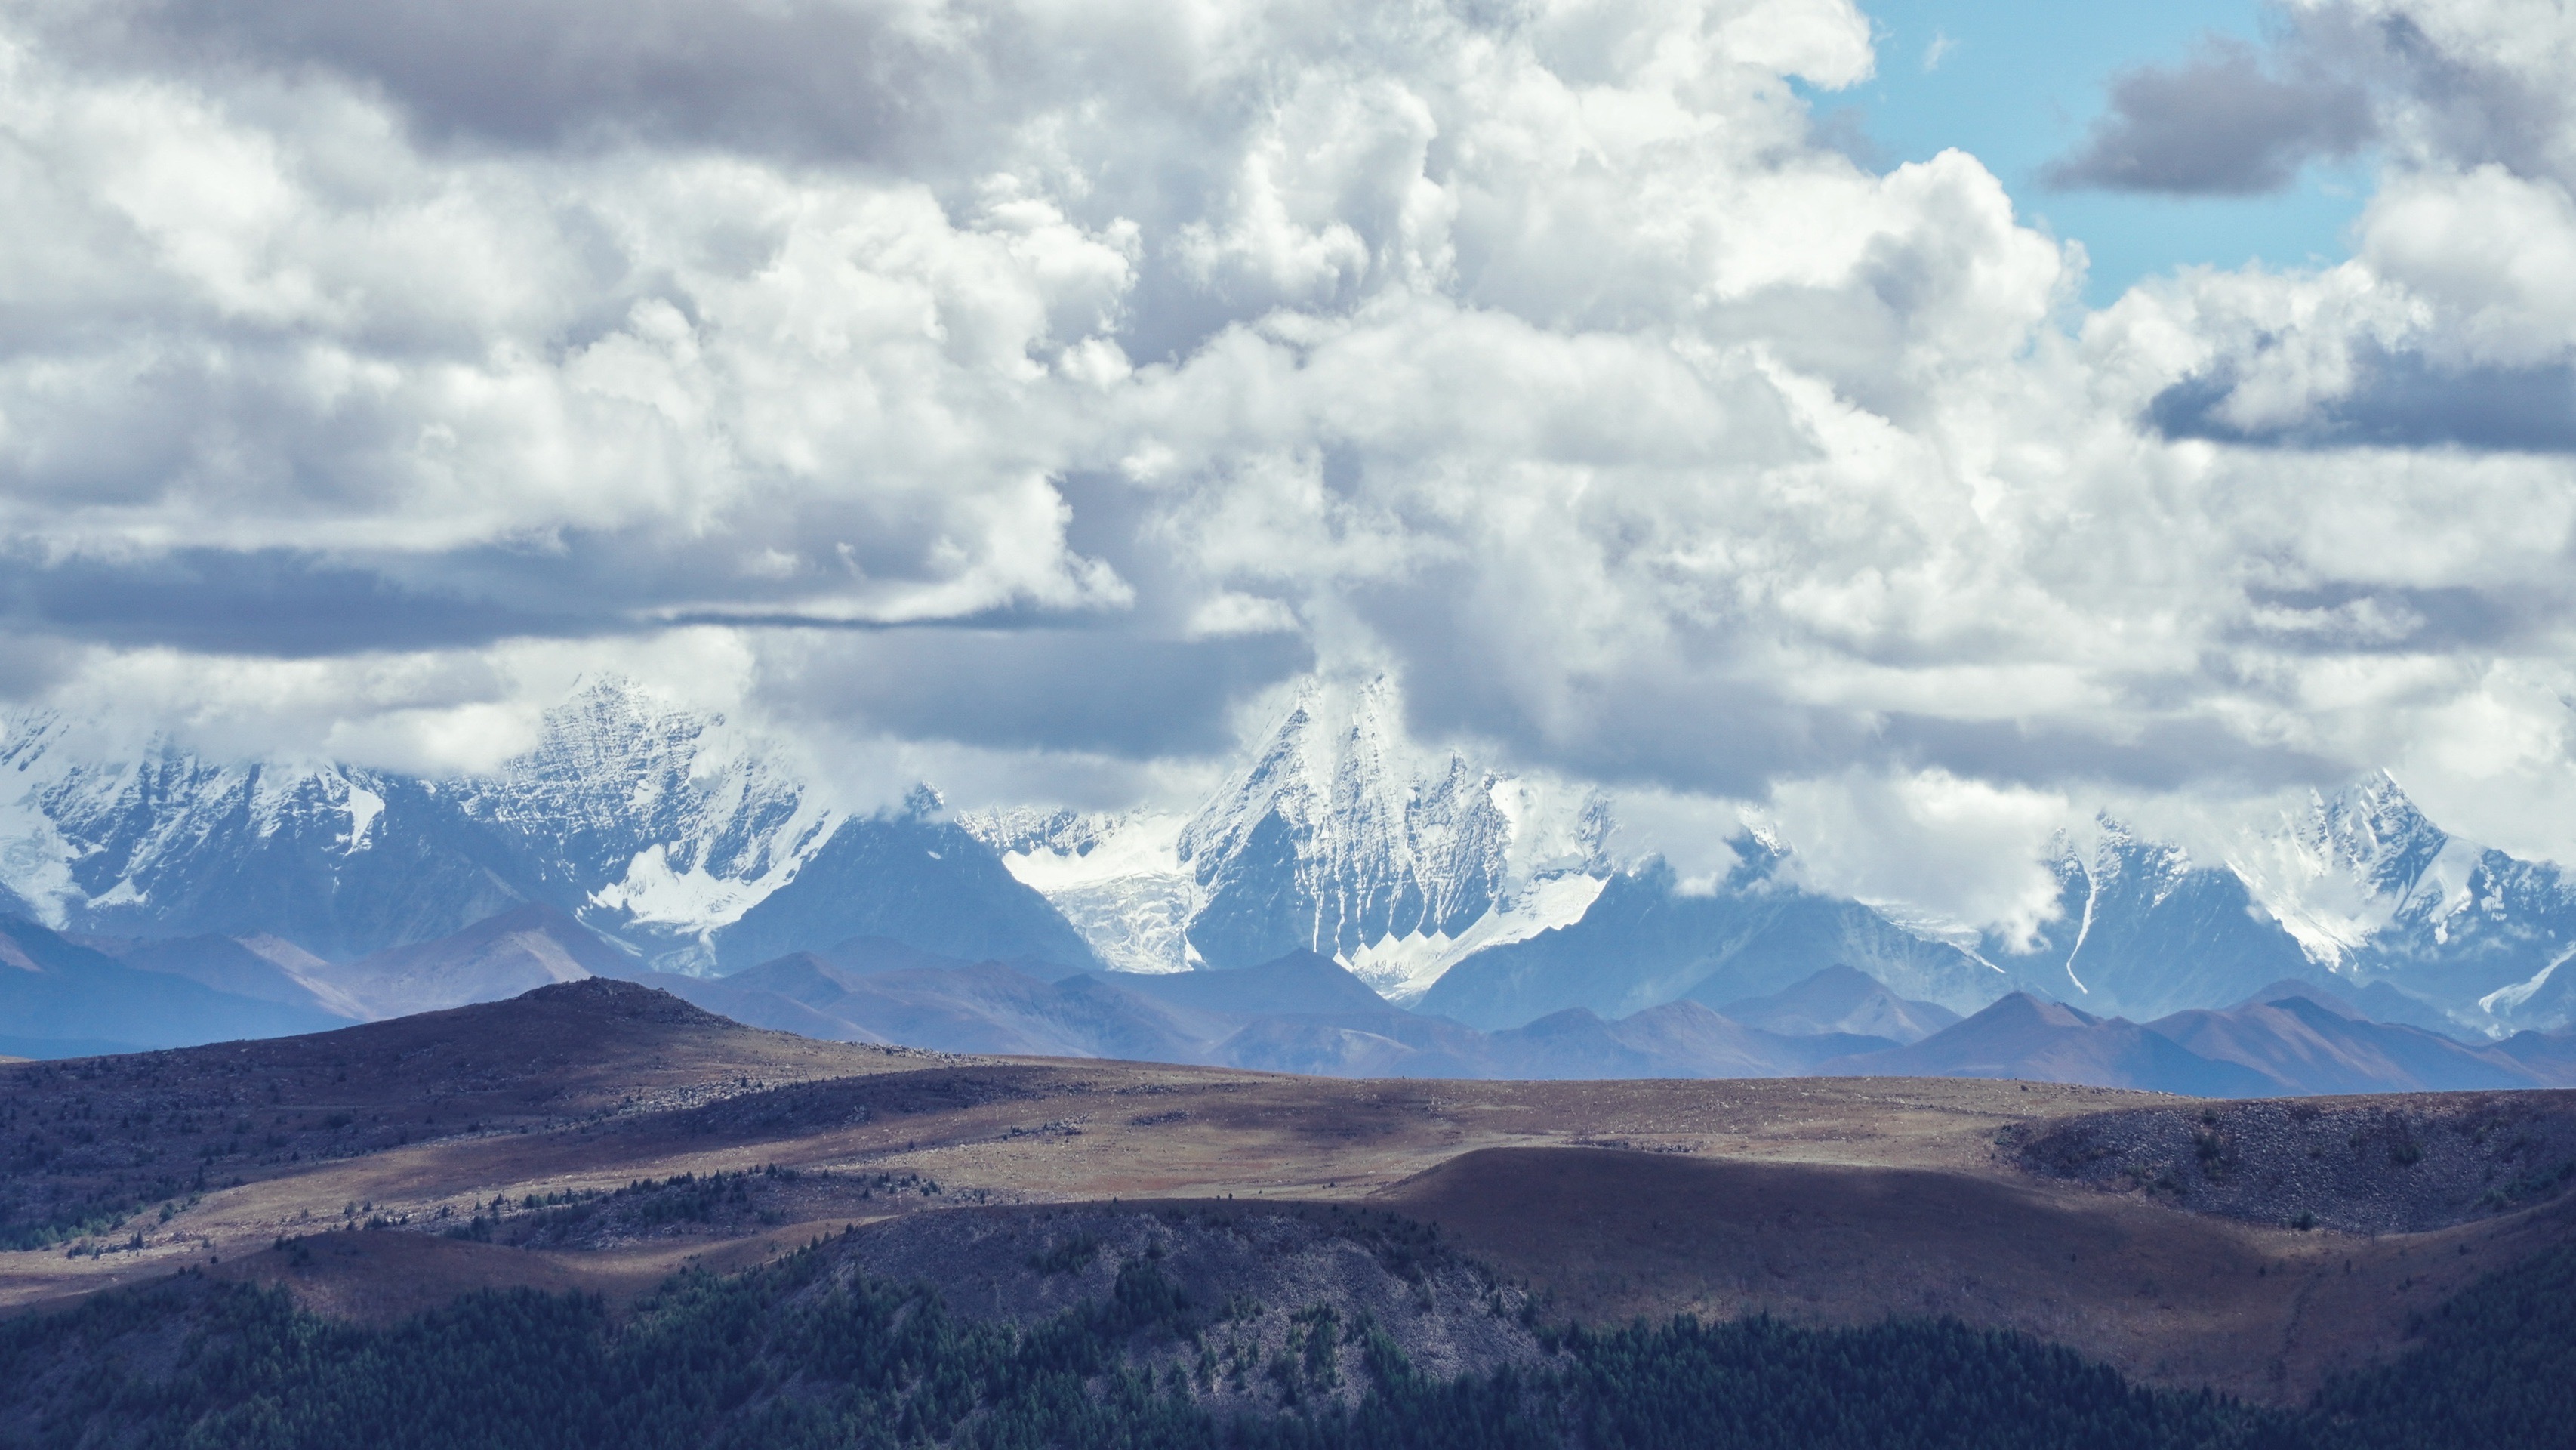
(601, 1135)
(124, 1167)
(90, 1139)
(2165, 1295)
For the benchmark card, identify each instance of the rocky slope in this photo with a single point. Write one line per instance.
(2374, 1165)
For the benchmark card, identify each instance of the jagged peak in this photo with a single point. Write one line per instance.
(604, 716)
(2372, 816)
(615, 692)
(1336, 741)
(1036, 828)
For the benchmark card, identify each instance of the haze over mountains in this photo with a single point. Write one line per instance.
(1407, 913)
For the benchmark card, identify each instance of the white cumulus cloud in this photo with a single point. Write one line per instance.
(1009, 392)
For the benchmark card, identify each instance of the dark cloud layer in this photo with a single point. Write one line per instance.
(814, 80)
(1036, 689)
(2219, 124)
(293, 603)
(273, 602)
(2398, 400)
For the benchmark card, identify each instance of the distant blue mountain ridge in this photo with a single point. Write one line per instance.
(1300, 1013)
(642, 839)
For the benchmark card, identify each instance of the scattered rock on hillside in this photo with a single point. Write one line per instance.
(2364, 1165)
(1278, 1302)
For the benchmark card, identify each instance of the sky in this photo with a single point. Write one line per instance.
(1922, 425)
(2019, 84)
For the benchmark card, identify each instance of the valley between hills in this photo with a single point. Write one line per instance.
(599, 1136)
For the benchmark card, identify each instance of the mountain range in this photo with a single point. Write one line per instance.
(1300, 1012)
(1494, 899)
(638, 838)
(1305, 1013)
(688, 845)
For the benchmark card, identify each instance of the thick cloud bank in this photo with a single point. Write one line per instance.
(1020, 390)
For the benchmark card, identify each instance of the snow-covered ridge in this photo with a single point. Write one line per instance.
(2355, 883)
(1116, 876)
(673, 823)
(664, 827)
(2339, 869)
(1336, 835)
(667, 823)
(78, 831)
(1403, 968)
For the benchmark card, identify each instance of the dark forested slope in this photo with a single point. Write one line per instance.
(808, 1352)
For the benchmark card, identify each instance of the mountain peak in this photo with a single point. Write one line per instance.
(2293, 987)
(2373, 829)
(2337, 868)
(529, 945)
(2023, 1007)
(1841, 998)
(1338, 836)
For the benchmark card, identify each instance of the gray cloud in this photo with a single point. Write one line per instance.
(2147, 753)
(1040, 688)
(1713, 715)
(2467, 109)
(813, 80)
(2220, 124)
(2396, 400)
(259, 602)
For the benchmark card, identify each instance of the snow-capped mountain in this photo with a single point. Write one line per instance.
(2338, 869)
(2141, 930)
(1334, 837)
(665, 824)
(1445, 884)
(1439, 881)
(339, 860)
(2382, 897)
(2355, 885)
(665, 830)
(912, 876)
(1648, 940)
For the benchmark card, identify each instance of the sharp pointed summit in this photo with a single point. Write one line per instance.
(1337, 836)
